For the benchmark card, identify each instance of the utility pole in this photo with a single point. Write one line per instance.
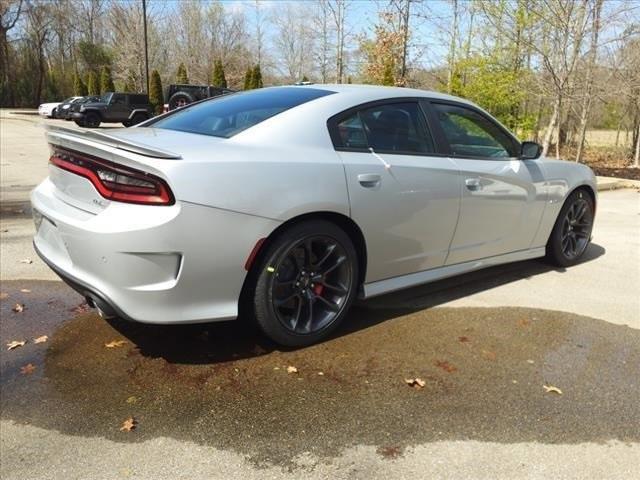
(146, 46)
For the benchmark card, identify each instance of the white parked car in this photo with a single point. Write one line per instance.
(288, 202)
(48, 110)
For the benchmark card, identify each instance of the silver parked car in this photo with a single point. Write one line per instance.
(289, 202)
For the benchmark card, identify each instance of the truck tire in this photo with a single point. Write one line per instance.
(92, 120)
(136, 119)
(180, 99)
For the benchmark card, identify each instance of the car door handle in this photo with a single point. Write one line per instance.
(473, 184)
(369, 180)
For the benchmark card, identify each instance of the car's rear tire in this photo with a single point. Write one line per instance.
(305, 283)
(91, 120)
(571, 233)
(136, 119)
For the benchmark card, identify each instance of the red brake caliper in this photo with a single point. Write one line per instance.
(317, 289)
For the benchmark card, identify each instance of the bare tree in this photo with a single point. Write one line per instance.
(588, 88)
(10, 11)
(338, 10)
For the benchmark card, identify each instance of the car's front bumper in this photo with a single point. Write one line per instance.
(177, 264)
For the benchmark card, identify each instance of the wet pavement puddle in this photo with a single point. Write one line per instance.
(224, 385)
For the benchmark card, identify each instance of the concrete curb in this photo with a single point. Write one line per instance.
(613, 183)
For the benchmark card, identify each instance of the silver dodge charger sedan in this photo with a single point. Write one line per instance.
(289, 202)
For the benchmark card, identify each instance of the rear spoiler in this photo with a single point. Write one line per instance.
(106, 139)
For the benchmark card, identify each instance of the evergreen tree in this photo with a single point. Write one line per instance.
(93, 85)
(181, 74)
(349, 79)
(79, 88)
(156, 98)
(219, 80)
(305, 78)
(106, 82)
(257, 78)
(248, 79)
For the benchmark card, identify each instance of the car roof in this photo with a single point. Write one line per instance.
(375, 92)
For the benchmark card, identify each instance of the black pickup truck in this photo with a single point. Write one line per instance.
(126, 108)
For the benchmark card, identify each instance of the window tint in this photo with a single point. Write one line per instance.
(393, 127)
(228, 115)
(118, 98)
(472, 135)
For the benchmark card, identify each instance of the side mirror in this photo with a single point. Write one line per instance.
(530, 150)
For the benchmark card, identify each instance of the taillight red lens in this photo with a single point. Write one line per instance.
(114, 181)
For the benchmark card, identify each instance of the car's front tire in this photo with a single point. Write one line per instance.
(306, 282)
(571, 233)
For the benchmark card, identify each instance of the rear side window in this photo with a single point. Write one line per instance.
(228, 115)
(470, 134)
(391, 128)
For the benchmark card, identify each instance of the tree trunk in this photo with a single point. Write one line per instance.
(636, 158)
(553, 121)
(586, 102)
(452, 46)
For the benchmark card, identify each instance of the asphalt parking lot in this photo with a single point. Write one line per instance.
(218, 401)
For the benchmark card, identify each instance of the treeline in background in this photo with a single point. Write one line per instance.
(563, 72)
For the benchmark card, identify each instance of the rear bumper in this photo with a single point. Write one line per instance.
(178, 264)
(94, 298)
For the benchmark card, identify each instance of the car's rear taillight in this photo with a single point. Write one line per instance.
(113, 181)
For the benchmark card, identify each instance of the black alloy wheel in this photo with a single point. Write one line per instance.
(306, 283)
(572, 231)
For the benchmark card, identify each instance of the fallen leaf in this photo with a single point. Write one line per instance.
(446, 366)
(28, 261)
(552, 389)
(416, 383)
(3, 295)
(132, 399)
(129, 424)
(389, 452)
(28, 369)
(292, 369)
(80, 309)
(15, 344)
(524, 322)
(530, 362)
(463, 339)
(41, 339)
(489, 355)
(320, 373)
(115, 343)
(25, 290)
(18, 308)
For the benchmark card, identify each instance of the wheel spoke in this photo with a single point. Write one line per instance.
(336, 288)
(283, 301)
(339, 261)
(295, 319)
(308, 252)
(334, 307)
(309, 322)
(581, 234)
(330, 249)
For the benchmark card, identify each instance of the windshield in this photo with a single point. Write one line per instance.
(229, 115)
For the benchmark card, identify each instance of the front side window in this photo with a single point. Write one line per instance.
(228, 115)
(390, 128)
(470, 134)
